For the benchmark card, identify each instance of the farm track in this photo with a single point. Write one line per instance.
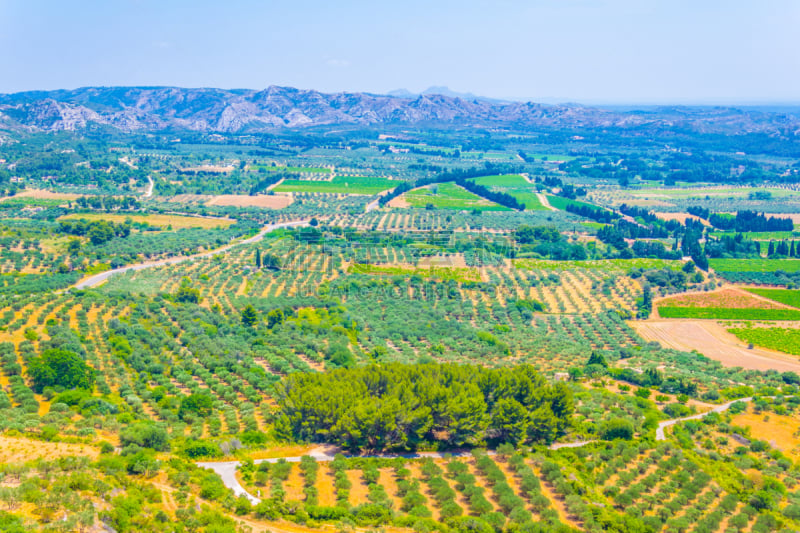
(97, 279)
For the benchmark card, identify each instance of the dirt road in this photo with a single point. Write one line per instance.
(97, 279)
(545, 202)
(712, 340)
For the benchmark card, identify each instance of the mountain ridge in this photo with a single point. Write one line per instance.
(142, 109)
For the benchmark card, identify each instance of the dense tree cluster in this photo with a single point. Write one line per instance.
(60, 368)
(395, 406)
(597, 214)
(750, 221)
(108, 203)
(732, 246)
(98, 231)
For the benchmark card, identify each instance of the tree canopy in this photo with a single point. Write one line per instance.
(57, 367)
(396, 406)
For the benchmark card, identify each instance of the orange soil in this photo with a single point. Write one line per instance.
(325, 489)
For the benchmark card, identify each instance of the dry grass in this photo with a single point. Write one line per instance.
(281, 451)
(399, 201)
(681, 217)
(46, 195)
(324, 484)
(276, 201)
(20, 449)
(162, 221)
(782, 432)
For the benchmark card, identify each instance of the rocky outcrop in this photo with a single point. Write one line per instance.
(133, 109)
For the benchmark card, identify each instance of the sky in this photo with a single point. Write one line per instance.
(588, 51)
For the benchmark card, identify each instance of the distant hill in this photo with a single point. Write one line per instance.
(219, 110)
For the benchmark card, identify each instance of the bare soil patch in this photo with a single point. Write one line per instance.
(681, 217)
(276, 201)
(45, 195)
(713, 341)
(398, 201)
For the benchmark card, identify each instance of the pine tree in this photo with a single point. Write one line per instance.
(771, 249)
(249, 316)
(258, 257)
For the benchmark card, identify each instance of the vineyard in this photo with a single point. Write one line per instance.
(782, 339)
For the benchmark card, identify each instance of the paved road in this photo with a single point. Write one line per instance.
(149, 192)
(100, 278)
(660, 435)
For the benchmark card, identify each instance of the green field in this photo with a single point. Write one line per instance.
(594, 225)
(515, 185)
(600, 264)
(755, 265)
(559, 202)
(785, 340)
(530, 199)
(450, 196)
(502, 180)
(339, 184)
(726, 313)
(784, 296)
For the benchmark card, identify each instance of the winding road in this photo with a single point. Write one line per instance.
(718, 409)
(149, 192)
(97, 279)
(227, 469)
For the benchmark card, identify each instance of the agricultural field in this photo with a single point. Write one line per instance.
(163, 222)
(782, 339)
(339, 185)
(784, 296)
(284, 305)
(507, 180)
(449, 196)
(516, 186)
(755, 265)
(604, 264)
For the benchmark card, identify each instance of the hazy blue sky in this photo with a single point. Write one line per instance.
(572, 50)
